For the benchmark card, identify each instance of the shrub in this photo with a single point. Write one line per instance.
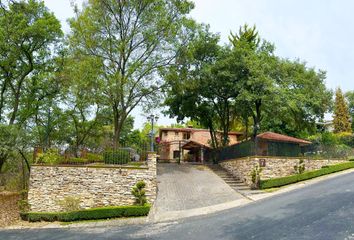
(116, 157)
(300, 167)
(256, 176)
(88, 214)
(139, 193)
(277, 182)
(69, 204)
(74, 160)
(23, 205)
(51, 157)
(93, 157)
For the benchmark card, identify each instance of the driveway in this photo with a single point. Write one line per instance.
(184, 186)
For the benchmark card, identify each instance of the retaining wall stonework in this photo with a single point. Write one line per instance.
(274, 167)
(95, 186)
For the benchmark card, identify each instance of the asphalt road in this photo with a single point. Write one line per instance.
(321, 211)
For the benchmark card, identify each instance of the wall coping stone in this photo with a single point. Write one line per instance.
(91, 166)
(275, 157)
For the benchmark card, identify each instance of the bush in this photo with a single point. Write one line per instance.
(139, 193)
(116, 157)
(88, 214)
(278, 182)
(76, 160)
(93, 157)
(69, 204)
(51, 156)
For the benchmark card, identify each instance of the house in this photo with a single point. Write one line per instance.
(187, 144)
(275, 144)
(265, 144)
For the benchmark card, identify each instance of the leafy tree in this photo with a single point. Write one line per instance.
(27, 33)
(341, 114)
(130, 41)
(258, 64)
(350, 99)
(303, 99)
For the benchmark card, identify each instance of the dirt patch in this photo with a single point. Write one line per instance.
(9, 211)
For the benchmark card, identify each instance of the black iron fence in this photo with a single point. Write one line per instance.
(278, 149)
(132, 154)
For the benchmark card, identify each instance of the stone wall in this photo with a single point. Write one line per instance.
(95, 186)
(274, 167)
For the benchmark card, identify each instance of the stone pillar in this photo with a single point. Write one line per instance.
(201, 154)
(151, 162)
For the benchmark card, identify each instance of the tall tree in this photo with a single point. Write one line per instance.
(27, 33)
(130, 41)
(258, 64)
(350, 99)
(341, 115)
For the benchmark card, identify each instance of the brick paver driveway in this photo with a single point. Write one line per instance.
(182, 187)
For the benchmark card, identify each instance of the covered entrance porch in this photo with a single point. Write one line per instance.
(196, 151)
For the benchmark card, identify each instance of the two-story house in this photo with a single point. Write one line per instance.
(187, 144)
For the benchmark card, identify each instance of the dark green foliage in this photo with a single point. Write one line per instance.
(89, 214)
(119, 156)
(341, 118)
(139, 193)
(300, 167)
(277, 182)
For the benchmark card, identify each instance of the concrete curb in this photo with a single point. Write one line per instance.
(175, 215)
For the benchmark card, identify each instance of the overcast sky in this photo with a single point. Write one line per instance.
(317, 31)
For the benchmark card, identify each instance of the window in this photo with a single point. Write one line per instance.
(176, 133)
(176, 154)
(186, 135)
(165, 134)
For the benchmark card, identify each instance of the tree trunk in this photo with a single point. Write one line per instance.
(257, 118)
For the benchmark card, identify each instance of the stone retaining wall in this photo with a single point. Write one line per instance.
(95, 186)
(274, 167)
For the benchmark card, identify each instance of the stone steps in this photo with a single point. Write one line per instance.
(234, 182)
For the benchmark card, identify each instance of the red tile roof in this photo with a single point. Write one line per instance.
(194, 130)
(281, 138)
(193, 143)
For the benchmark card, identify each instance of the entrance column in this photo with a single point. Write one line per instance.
(201, 154)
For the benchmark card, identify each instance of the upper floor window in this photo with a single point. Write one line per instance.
(186, 135)
(165, 134)
(176, 133)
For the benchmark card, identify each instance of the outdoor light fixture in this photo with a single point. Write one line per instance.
(152, 118)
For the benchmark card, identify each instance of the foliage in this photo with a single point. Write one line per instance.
(93, 157)
(300, 167)
(88, 214)
(139, 193)
(350, 100)
(75, 160)
(277, 182)
(256, 177)
(341, 114)
(118, 156)
(51, 157)
(69, 204)
(28, 31)
(129, 42)
(219, 86)
(23, 205)
(8, 140)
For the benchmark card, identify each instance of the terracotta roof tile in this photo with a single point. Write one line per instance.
(282, 138)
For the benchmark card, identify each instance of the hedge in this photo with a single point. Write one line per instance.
(88, 214)
(278, 182)
(116, 157)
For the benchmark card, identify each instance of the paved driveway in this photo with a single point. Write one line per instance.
(182, 187)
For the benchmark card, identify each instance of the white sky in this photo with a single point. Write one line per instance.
(317, 31)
